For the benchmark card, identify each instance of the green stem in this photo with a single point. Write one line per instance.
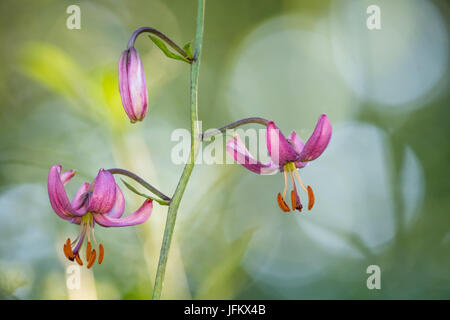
(177, 196)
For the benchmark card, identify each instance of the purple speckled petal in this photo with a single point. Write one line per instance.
(119, 205)
(279, 148)
(138, 217)
(236, 148)
(318, 141)
(80, 200)
(103, 197)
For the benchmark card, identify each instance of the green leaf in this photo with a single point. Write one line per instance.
(161, 45)
(188, 49)
(133, 189)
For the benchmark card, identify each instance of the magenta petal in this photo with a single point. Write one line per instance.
(119, 205)
(57, 194)
(103, 197)
(132, 85)
(67, 176)
(138, 217)
(236, 148)
(318, 141)
(80, 201)
(298, 145)
(279, 148)
(296, 142)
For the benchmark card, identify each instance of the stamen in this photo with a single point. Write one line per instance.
(285, 184)
(93, 256)
(77, 257)
(300, 181)
(88, 251)
(295, 201)
(310, 198)
(101, 253)
(69, 250)
(66, 253)
(282, 204)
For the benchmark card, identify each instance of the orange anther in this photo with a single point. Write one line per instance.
(66, 253)
(77, 257)
(70, 254)
(295, 202)
(310, 198)
(101, 253)
(93, 256)
(282, 204)
(88, 251)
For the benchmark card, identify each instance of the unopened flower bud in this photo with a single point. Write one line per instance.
(132, 85)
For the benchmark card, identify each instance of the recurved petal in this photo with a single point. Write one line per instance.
(103, 197)
(236, 148)
(80, 200)
(57, 194)
(318, 141)
(138, 217)
(119, 205)
(67, 176)
(279, 148)
(296, 142)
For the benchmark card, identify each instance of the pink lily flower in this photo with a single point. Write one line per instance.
(132, 85)
(286, 155)
(100, 202)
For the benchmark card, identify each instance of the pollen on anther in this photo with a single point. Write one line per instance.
(77, 257)
(101, 253)
(310, 198)
(66, 253)
(68, 246)
(93, 256)
(293, 200)
(88, 251)
(282, 204)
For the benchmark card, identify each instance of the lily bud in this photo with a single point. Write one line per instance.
(132, 85)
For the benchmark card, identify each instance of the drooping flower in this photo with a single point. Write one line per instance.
(100, 202)
(286, 155)
(132, 85)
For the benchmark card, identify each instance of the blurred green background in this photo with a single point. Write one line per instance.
(382, 186)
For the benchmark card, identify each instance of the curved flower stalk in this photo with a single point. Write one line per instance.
(286, 155)
(132, 84)
(100, 202)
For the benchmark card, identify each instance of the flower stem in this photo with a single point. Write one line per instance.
(177, 196)
(160, 35)
(233, 125)
(139, 180)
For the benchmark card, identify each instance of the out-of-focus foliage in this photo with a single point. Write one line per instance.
(382, 187)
